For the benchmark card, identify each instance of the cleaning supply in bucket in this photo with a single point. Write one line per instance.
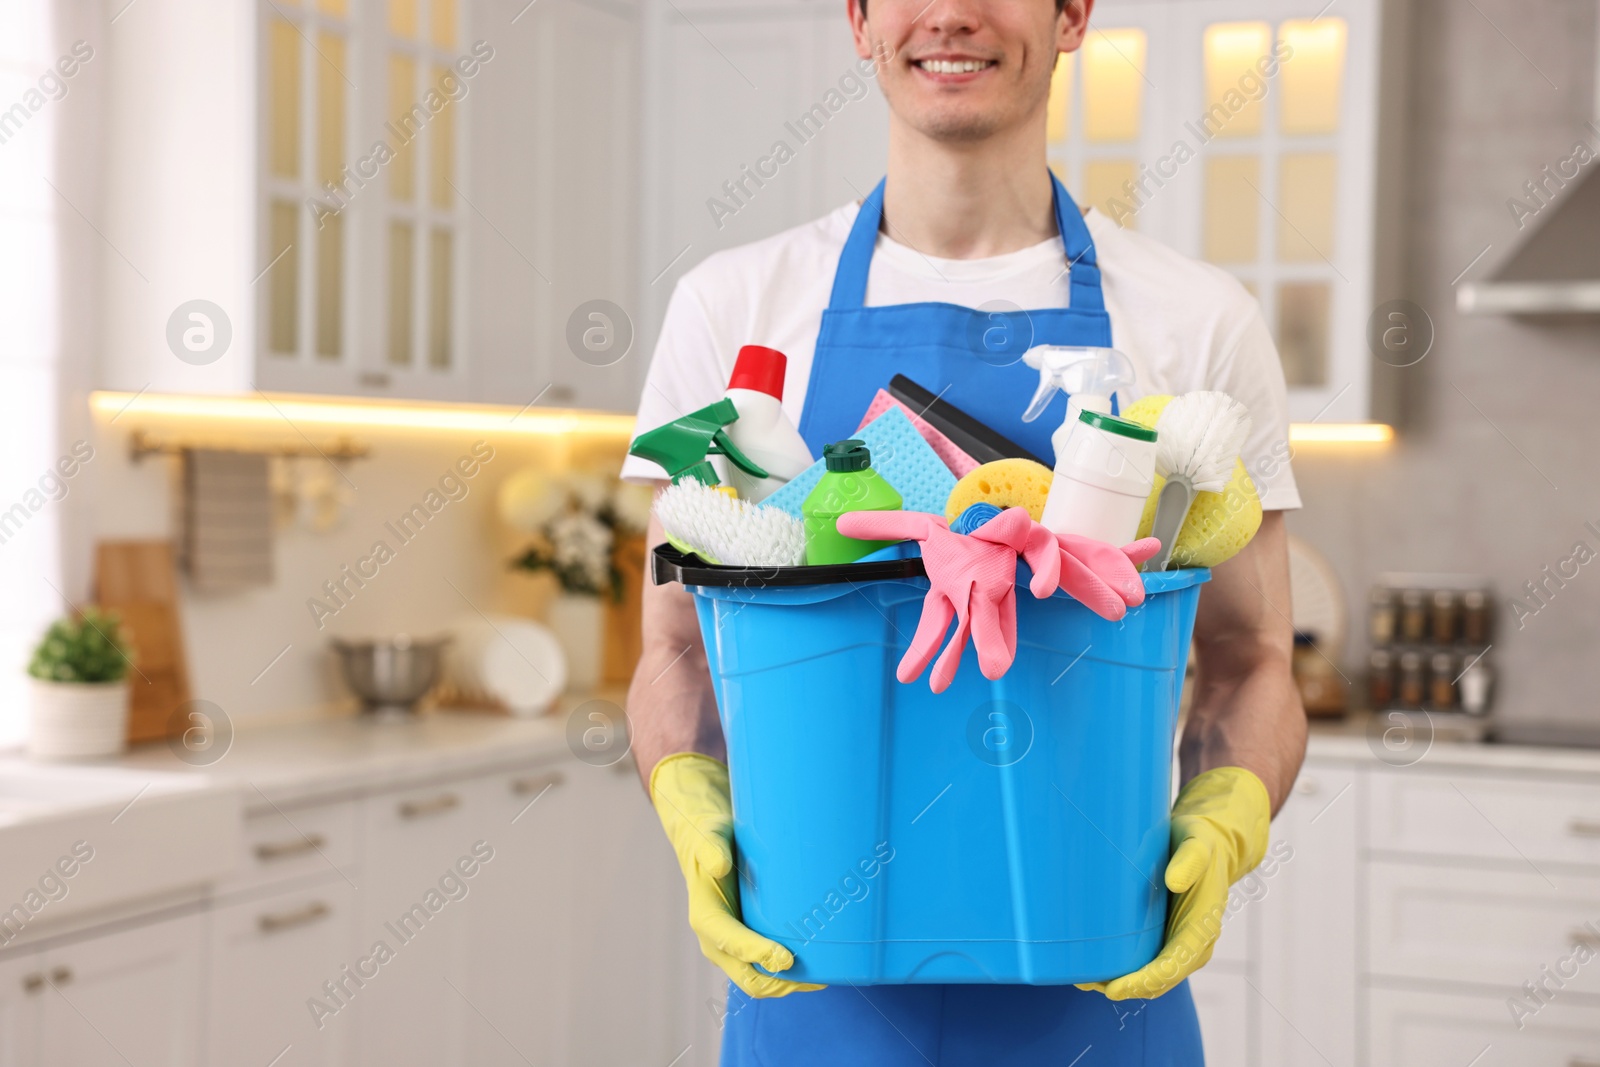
(1005, 483)
(763, 431)
(899, 454)
(973, 517)
(1219, 524)
(720, 529)
(971, 580)
(681, 446)
(983, 443)
(1090, 377)
(1105, 469)
(1200, 437)
(849, 485)
(947, 450)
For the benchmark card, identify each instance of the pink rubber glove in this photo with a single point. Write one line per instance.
(1105, 579)
(972, 579)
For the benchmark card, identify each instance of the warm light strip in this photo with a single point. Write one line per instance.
(1340, 433)
(293, 410)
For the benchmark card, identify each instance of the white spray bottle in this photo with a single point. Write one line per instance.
(763, 431)
(1105, 466)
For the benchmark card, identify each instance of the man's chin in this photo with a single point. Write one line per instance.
(958, 127)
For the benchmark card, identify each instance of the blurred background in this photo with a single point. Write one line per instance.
(324, 324)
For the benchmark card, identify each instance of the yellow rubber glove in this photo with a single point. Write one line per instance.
(690, 794)
(1219, 834)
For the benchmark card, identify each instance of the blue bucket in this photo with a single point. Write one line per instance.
(1011, 831)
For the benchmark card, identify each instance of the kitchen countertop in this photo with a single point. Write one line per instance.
(279, 763)
(1359, 739)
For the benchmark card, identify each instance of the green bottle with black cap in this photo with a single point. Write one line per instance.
(850, 484)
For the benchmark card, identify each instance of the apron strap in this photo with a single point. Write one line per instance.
(855, 262)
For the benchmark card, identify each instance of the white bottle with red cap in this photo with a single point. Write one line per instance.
(763, 432)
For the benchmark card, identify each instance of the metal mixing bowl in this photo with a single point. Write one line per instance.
(391, 675)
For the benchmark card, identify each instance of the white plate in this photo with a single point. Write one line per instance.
(515, 660)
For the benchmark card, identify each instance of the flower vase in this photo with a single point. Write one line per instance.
(578, 620)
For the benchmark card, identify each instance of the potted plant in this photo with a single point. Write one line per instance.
(80, 689)
(574, 520)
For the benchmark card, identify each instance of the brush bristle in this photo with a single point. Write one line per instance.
(1200, 437)
(735, 533)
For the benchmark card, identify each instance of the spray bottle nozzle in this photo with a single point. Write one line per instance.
(681, 446)
(1088, 375)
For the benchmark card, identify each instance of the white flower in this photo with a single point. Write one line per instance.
(631, 504)
(581, 542)
(588, 490)
(529, 499)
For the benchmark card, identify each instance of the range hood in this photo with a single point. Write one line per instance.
(1555, 269)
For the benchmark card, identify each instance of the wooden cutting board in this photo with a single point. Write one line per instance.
(139, 581)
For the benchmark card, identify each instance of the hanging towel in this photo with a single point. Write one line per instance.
(226, 520)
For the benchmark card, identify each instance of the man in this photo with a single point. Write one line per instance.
(969, 215)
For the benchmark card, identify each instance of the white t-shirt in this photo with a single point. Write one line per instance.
(1187, 325)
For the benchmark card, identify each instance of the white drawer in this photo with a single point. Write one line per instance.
(1478, 816)
(1492, 927)
(1415, 1029)
(296, 842)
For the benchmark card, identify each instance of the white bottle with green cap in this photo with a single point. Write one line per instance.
(1105, 470)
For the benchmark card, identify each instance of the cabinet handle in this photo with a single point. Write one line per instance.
(284, 920)
(1581, 827)
(417, 809)
(61, 976)
(1308, 787)
(1582, 1061)
(537, 783)
(562, 394)
(376, 379)
(32, 983)
(277, 850)
(1580, 938)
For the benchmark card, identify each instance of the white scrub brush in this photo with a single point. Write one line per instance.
(734, 533)
(1200, 436)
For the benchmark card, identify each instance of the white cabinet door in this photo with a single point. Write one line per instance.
(132, 996)
(1222, 1000)
(553, 171)
(270, 958)
(1416, 1029)
(21, 988)
(417, 906)
(1306, 914)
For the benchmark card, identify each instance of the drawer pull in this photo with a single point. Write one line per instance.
(536, 783)
(1581, 827)
(32, 983)
(1583, 1061)
(279, 850)
(418, 809)
(1580, 938)
(1308, 787)
(61, 976)
(284, 920)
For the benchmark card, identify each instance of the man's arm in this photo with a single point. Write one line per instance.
(1246, 710)
(671, 707)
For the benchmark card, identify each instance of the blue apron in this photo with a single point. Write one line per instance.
(971, 356)
(974, 358)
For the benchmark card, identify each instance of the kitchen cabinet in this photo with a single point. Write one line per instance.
(429, 239)
(726, 82)
(132, 996)
(269, 957)
(1222, 1001)
(1413, 1028)
(21, 985)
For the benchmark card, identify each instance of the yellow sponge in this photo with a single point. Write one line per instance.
(1005, 483)
(1219, 524)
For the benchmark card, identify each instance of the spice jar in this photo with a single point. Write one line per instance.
(1475, 617)
(1380, 679)
(1475, 683)
(1413, 616)
(1442, 682)
(1445, 617)
(1412, 687)
(1381, 615)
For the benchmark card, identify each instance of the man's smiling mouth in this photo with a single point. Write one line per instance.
(953, 66)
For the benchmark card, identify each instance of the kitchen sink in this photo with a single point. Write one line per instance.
(125, 835)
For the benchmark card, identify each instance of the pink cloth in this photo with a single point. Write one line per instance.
(947, 450)
(972, 580)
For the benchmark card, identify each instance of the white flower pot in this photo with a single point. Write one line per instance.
(77, 720)
(578, 622)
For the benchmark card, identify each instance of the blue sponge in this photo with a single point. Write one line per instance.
(899, 454)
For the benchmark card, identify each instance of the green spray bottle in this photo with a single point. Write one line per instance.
(849, 484)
